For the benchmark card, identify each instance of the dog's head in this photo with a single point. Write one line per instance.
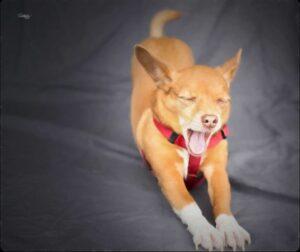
(195, 101)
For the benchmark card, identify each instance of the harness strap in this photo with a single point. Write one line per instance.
(195, 176)
(173, 137)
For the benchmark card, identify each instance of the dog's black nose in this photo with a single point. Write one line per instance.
(209, 121)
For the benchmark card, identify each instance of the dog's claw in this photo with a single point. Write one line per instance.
(234, 248)
(243, 247)
(248, 238)
(222, 249)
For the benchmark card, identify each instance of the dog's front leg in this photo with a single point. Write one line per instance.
(214, 169)
(172, 185)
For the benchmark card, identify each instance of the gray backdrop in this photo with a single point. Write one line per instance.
(71, 177)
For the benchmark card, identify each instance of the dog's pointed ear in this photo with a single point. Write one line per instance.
(230, 67)
(157, 70)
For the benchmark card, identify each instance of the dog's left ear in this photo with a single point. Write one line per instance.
(157, 70)
(230, 67)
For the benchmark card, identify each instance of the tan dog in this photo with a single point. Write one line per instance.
(193, 101)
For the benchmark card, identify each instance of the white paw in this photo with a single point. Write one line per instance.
(206, 235)
(203, 232)
(233, 234)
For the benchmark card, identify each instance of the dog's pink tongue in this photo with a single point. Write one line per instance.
(197, 142)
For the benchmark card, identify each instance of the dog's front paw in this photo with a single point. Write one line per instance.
(206, 235)
(233, 234)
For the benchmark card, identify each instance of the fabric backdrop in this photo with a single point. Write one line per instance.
(71, 176)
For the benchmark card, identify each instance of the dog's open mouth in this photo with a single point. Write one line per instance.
(197, 142)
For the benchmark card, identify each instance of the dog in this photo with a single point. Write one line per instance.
(179, 112)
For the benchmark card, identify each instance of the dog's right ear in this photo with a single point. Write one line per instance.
(230, 67)
(157, 70)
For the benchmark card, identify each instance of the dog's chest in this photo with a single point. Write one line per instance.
(190, 168)
(183, 166)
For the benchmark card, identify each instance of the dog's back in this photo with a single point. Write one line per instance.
(171, 51)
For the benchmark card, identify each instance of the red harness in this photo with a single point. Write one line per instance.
(195, 176)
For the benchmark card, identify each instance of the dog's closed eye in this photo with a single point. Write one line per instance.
(184, 96)
(223, 100)
(187, 98)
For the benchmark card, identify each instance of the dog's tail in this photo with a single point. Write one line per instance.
(159, 20)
